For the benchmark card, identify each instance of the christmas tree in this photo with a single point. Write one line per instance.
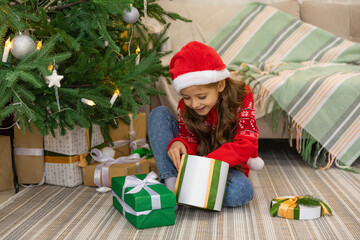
(78, 62)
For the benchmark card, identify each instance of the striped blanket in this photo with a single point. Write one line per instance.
(308, 73)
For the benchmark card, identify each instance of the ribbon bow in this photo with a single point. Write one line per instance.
(83, 162)
(132, 142)
(105, 162)
(138, 184)
(284, 207)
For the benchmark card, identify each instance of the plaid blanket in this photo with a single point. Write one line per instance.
(308, 73)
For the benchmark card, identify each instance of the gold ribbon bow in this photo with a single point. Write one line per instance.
(286, 207)
(82, 157)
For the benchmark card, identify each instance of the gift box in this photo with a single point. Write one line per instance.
(100, 173)
(148, 155)
(152, 165)
(6, 170)
(63, 153)
(299, 208)
(144, 201)
(201, 182)
(126, 137)
(29, 156)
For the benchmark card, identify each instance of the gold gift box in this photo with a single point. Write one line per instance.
(29, 156)
(122, 134)
(6, 171)
(152, 165)
(115, 170)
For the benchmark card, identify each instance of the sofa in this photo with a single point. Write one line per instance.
(338, 17)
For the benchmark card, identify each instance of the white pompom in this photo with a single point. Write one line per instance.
(255, 163)
(108, 152)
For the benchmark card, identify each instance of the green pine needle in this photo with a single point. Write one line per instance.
(309, 200)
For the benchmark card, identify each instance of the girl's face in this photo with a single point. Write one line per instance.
(202, 98)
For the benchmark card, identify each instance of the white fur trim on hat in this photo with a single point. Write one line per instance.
(199, 78)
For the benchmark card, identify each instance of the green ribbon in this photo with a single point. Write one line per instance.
(143, 152)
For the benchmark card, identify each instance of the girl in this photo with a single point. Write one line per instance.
(216, 119)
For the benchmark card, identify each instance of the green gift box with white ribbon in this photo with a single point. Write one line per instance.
(201, 182)
(143, 200)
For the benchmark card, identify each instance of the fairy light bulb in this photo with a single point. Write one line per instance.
(138, 54)
(114, 96)
(39, 45)
(88, 102)
(8, 46)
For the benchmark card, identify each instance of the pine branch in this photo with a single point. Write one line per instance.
(70, 5)
(309, 200)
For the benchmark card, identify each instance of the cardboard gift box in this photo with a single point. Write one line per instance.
(6, 170)
(148, 155)
(63, 153)
(126, 137)
(144, 201)
(152, 165)
(29, 156)
(293, 207)
(201, 182)
(100, 173)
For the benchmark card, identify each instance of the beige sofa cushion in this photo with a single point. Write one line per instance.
(340, 19)
(207, 20)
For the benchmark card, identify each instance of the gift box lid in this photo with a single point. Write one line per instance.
(141, 201)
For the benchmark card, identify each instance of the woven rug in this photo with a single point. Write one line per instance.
(52, 212)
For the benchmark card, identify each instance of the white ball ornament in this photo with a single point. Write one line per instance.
(108, 152)
(23, 45)
(131, 16)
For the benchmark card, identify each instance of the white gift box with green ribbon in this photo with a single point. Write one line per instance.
(298, 207)
(201, 182)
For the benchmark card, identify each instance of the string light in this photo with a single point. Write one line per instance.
(114, 96)
(87, 102)
(8, 46)
(138, 55)
(39, 45)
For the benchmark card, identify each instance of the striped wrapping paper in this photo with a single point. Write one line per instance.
(304, 71)
(201, 182)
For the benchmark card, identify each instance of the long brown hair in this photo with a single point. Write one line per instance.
(230, 99)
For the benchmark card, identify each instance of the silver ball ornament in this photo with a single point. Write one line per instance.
(131, 16)
(22, 46)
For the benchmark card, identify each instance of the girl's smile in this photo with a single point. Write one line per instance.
(202, 98)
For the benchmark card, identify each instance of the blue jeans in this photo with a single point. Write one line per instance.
(162, 127)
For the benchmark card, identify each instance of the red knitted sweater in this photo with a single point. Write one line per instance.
(245, 144)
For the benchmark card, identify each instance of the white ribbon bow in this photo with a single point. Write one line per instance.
(133, 144)
(138, 184)
(105, 162)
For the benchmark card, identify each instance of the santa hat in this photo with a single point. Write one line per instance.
(196, 64)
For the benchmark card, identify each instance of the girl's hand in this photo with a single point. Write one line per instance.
(177, 149)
